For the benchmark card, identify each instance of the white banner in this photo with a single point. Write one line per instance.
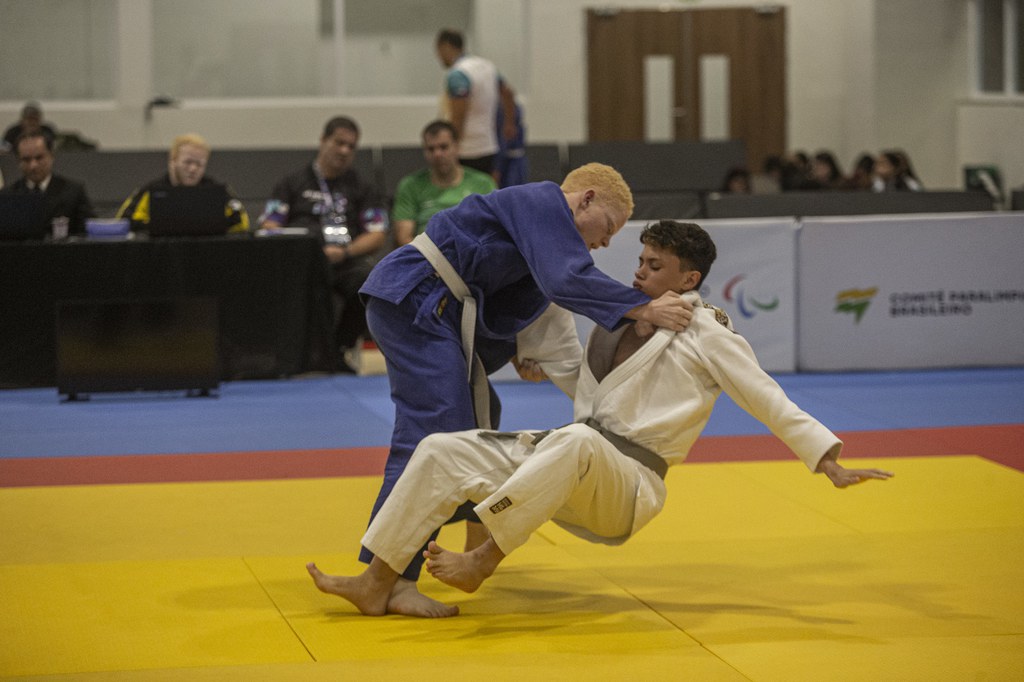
(905, 292)
(753, 280)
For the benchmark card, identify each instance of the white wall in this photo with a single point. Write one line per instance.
(862, 75)
(921, 56)
(992, 133)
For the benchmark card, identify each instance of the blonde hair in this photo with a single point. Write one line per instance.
(612, 190)
(194, 139)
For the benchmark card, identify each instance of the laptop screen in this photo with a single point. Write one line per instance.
(188, 211)
(22, 217)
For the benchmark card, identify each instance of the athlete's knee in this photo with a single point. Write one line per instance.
(433, 445)
(575, 433)
(442, 446)
(575, 440)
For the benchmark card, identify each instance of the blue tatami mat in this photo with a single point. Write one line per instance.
(346, 411)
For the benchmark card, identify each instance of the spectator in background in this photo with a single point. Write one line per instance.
(186, 167)
(474, 90)
(797, 171)
(442, 184)
(737, 181)
(31, 121)
(893, 172)
(861, 176)
(62, 198)
(824, 171)
(347, 213)
(511, 166)
(769, 180)
(790, 171)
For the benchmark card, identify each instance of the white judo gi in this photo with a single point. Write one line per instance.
(660, 398)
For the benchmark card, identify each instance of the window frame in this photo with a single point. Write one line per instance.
(1013, 87)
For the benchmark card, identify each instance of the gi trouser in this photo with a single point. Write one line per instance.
(422, 349)
(573, 476)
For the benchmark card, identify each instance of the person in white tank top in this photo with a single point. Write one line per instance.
(474, 89)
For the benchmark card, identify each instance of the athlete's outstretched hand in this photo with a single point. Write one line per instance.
(842, 477)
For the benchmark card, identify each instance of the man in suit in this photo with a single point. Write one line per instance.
(62, 198)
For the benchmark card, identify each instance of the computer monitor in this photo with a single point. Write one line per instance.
(188, 211)
(160, 344)
(22, 217)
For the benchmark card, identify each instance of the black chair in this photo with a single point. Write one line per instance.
(545, 163)
(800, 204)
(110, 177)
(396, 163)
(664, 166)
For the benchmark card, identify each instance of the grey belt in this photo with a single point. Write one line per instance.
(624, 446)
(475, 374)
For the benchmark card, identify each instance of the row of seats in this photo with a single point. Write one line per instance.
(669, 179)
(110, 176)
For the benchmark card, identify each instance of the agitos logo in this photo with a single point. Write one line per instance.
(855, 301)
(748, 305)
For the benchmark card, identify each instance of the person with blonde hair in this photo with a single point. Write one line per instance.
(465, 296)
(186, 167)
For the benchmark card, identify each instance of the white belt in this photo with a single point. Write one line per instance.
(475, 374)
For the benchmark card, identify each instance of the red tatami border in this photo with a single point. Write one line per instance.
(1002, 444)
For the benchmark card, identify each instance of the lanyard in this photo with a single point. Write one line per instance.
(325, 191)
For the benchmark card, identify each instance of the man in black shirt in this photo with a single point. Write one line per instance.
(347, 213)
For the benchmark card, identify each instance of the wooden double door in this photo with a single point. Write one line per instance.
(721, 73)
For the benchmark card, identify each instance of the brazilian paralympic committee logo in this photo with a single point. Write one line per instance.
(747, 305)
(855, 302)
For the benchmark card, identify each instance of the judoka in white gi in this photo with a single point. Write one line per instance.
(642, 398)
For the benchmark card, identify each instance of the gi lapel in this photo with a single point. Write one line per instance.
(645, 354)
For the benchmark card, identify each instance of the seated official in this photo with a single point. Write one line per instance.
(348, 214)
(442, 184)
(62, 197)
(186, 167)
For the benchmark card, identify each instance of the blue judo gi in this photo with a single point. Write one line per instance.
(518, 250)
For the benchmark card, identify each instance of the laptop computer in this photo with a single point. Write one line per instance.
(22, 217)
(188, 211)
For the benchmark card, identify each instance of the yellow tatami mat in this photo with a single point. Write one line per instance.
(755, 571)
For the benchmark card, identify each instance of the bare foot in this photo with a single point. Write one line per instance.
(476, 535)
(463, 571)
(367, 592)
(407, 600)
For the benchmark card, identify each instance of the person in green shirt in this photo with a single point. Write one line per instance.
(442, 184)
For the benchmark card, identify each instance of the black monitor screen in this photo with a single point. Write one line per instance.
(154, 344)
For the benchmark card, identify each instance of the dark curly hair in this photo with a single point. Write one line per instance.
(688, 241)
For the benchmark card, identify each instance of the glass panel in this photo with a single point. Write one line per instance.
(1020, 47)
(282, 48)
(714, 97)
(239, 48)
(57, 49)
(392, 52)
(990, 44)
(659, 98)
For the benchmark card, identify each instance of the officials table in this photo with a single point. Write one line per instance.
(273, 295)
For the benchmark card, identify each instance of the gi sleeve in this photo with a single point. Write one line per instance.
(541, 225)
(553, 341)
(730, 361)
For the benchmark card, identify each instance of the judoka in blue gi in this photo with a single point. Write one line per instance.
(446, 310)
